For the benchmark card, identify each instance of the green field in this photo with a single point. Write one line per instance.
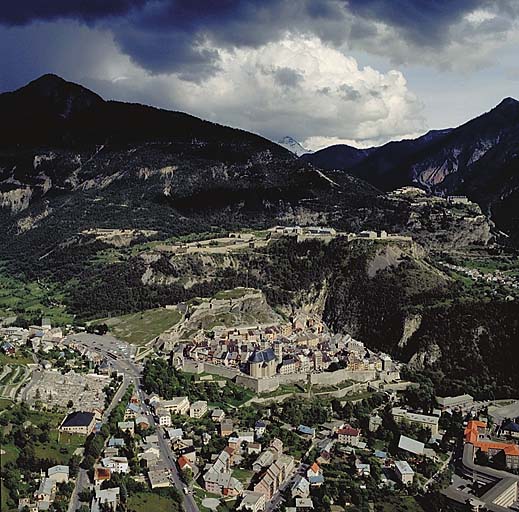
(10, 455)
(31, 300)
(61, 450)
(140, 328)
(146, 501)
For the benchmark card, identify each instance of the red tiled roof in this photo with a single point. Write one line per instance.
(349, 431)
(472, 437)
(183, 461)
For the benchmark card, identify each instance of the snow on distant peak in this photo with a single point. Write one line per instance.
(293, 146)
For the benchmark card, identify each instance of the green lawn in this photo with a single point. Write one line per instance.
(146, 501)
(10, 455)
(140, 328)
(61, 450)
(4, 494)
(243, 475)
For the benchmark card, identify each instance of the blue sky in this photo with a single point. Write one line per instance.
(323, 71)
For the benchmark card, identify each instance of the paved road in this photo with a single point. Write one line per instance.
(132, 375)
(82, 482)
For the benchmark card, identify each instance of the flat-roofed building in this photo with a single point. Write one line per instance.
(404, 472)
(461, 402)
(423, 420)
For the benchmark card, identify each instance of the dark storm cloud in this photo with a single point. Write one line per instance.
(22, 12)
(424, 21)
(168, 36)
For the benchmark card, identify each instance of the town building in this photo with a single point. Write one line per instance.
(423, 420)
(404, 472)
(348, 435)
(198, 409)
(78, 422)
(459, 402)
(262, 363)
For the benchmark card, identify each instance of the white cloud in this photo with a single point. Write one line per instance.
(333, 97)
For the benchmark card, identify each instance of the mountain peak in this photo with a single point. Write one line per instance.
(60, 97)
(293, 146)
(508, 101)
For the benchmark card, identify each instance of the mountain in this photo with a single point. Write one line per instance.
(478, 159)
(339, 156)
(293, 146)
(72, 162)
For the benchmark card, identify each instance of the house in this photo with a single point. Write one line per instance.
(175, 433)
(45, 493)
(287, 366)
(78, 422)
(189, 452)
(375, 421)
(142, 422)
(159, 478)
(404, 472)
(59, 473)
(260, 428)
(313, 470)
(8, 349)
(348, 435)
(217, 415)
(105, 498)
(226, 428)
(306, 431)
(132, 410)
(245, 437)
(180, 443)
(300, 488)
(27, 504)
(151, 454)
(101, 474)
(126, 426)
(253, 448)
(184, 463)
(198, 409)
(362, 469)
(116, 464)
(252, 502)
(177, 405)
(511, 429)
(116, 442)
(164, 417)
